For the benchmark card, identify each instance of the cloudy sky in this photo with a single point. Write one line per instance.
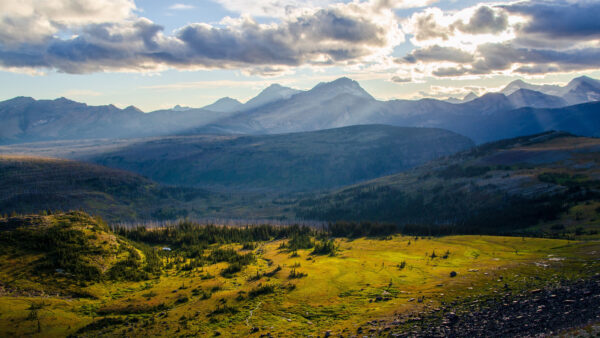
(156, 53)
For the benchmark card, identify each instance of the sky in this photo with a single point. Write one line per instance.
(156, 54)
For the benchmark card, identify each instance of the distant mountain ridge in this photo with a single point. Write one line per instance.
(279, 109)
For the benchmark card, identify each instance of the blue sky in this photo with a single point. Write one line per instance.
(156, 54)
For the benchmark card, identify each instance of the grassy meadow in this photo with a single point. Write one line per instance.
(280, 289)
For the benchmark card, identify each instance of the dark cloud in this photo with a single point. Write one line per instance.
(450, 71)
(437, 53)
(399, 79)
(560, 19)
(495, 57)
(485, 21)
(503, 56)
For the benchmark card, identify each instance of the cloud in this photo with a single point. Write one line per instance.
(424, 25)
(437, 53)
(34, 21)
(524, 37)
(460, 92)
(180, 7)
(272, 8)
(339, 34)
(450, 71)
(402, 3)
(398, 79)
(286, 8)
(485, 20)
(560, 19)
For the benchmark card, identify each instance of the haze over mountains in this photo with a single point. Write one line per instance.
(339, 103)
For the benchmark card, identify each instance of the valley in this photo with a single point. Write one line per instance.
(322, 212)
(287, 168)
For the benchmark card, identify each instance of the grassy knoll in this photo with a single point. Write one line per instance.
(278, 285)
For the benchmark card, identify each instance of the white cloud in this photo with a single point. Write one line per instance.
(32, 21)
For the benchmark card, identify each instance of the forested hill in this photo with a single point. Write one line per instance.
(34, 184)
(286, 162)
(495, 188)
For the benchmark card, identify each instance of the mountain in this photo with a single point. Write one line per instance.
(279, 109)
(224, 105)
(579, 90)
(582, 89)
(328, 105)
(28, 120)
(520, 84)
(181, 108)
(583, 119)
(343, 102)
(284, 162)
(32, 184)
(535, 99)
(497, 187)
(271, 94)
(470, 97)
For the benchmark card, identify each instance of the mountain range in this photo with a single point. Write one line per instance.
(339, 103)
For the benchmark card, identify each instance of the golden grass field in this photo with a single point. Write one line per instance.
(365, 280)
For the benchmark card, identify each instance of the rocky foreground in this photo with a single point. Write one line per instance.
(538, 312)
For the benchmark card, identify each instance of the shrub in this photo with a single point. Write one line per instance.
(326, 247)
(231, 269)
(296, 274)
(262, 290)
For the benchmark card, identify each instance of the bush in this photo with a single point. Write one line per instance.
(231, 269)
(326, 247)
(262, 290)
(296, 274)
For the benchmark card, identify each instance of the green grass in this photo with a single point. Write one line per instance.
(362, 281)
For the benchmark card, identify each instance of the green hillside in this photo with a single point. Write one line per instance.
(547, 183)
(60, 253)
(286, 162)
